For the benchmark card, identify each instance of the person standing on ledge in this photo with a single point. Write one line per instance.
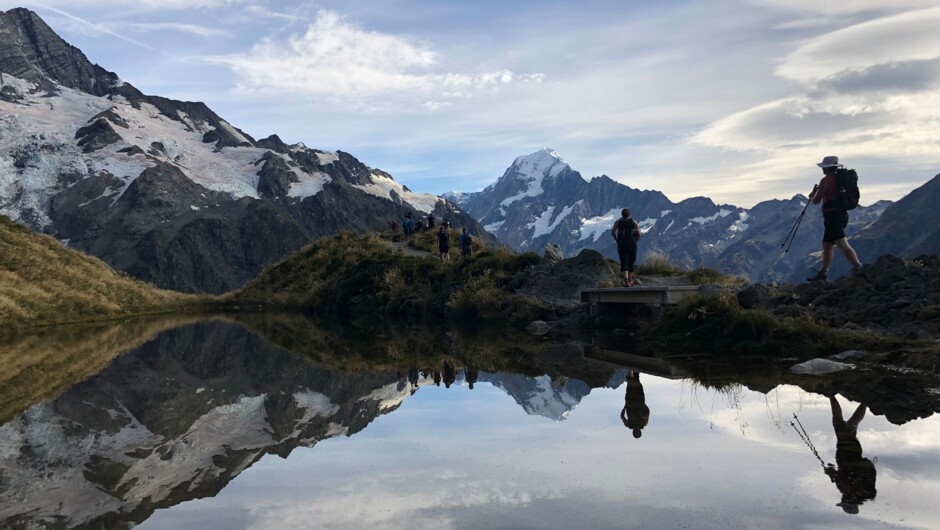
(835, 218)
(626, 233)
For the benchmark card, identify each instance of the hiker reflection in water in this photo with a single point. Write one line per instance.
(635, 413)
(472, 375)
(855, 475)
(449, 375)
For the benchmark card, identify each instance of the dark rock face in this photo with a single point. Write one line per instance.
(30, 50)
(275, 177)
(559, 283)
(97, 135)
(891, 296)
(908, 228)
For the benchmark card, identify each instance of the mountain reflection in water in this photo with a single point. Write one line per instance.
(432, 440)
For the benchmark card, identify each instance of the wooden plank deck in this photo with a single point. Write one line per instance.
(641, 363)
(655, 295)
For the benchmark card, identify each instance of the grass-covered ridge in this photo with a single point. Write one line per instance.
(44, 282)
(362, 276)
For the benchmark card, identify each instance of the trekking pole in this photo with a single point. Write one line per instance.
(791, 235)
(805, 437)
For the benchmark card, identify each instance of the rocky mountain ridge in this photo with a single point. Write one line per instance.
(167, 190)
(541, 200)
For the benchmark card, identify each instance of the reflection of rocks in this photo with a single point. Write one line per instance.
(897, 394)
(820, 367)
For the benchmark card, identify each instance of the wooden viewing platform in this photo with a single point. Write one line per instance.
(654, 296)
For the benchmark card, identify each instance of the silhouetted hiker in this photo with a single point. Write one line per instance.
(472, 376)
(835, 218)
(445, 224)
(635, 413)
(626, 233)
(466, 242)
(855, 475)
(437, 378)
(443, 244)
(408, 225)
(449, 375)
(430, 221)
(420, 226)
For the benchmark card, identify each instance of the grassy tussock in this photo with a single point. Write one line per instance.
(655, 264)
(360, 277)
(44, 282)
(717, 324)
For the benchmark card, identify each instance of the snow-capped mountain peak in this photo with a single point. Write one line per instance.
(542, 163)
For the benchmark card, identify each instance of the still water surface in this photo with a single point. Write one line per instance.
(213, 426)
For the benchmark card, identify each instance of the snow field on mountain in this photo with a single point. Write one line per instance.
(533, 169)
(310, 183)
(595, 227)
(231, 170)
(383, 187)
(49, 124)
(544, 225)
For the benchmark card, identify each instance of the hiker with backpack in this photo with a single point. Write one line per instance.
(838, 193)
(626, 232)
(465, 243)
(443, 244)
(408, 225)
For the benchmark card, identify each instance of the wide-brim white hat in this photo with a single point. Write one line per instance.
(829, 161)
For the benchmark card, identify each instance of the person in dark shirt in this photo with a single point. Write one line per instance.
(635, 414)
(443, 244)
(626, 232)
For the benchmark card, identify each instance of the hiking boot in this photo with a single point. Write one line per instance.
(821, 275)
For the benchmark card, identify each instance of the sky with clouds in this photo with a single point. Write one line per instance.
(733, 99)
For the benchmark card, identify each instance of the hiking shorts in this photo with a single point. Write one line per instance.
(627, 253)
(834, 223)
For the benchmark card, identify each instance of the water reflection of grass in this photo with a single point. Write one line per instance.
(40, 366)
(377, 347)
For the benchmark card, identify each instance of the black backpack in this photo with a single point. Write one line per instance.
(847, 181)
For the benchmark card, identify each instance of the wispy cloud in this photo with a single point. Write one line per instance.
(194, 29)
(336, 59)
(841, 7)
(160, 5)
(99, 28)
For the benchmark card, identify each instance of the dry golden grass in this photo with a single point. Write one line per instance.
(40, 366)
(43, 282)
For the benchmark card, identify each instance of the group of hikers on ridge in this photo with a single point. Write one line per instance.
(837, 191)
(410, 227)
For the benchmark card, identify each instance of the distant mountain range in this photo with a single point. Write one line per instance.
(541, 200)
(167, 190)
